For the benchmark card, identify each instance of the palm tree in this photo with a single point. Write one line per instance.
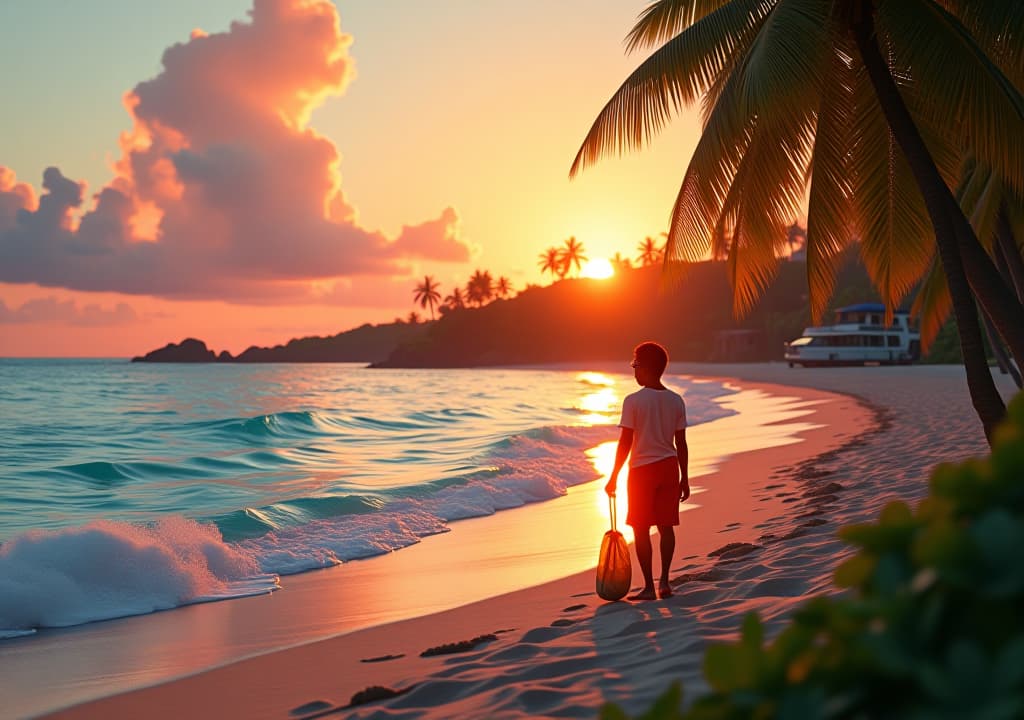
(427, 294)
(848, 102)
(796, 239)
(572, 254)
(480, 288)
(503, 288)
(621, 263)
(551, 261)
(455, 300)
(650, 253)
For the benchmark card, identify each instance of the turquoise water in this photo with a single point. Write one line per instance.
(128, 488)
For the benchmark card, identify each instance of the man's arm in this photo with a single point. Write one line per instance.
(683, 454)
(621, 453)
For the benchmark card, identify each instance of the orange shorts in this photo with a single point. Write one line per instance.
(653, 492)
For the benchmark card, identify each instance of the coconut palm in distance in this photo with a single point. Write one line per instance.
(796, 239)
(455, 300)
(551, 261)
(799, 98)
(480, 288)
(427, 294)
(621, 263)
(650, 253)
(503, 288)
(572, 254)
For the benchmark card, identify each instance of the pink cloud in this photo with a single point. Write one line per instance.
(437, 239)
(52, 311)
(222, 189)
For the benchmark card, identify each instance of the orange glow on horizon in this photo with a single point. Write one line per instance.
(598, 269)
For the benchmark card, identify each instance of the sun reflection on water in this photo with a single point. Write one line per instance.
(602, 405)
(595, 378)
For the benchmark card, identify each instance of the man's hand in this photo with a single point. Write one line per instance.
(684, 490)
(611, 486)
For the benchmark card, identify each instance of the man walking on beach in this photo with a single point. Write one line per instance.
(653, 436)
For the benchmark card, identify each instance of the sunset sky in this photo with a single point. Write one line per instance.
(249, 171)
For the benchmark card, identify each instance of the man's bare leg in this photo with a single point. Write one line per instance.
(644, 553)
(668, 549)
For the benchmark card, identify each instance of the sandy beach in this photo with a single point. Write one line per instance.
(760, 536)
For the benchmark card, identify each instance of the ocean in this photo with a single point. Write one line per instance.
(131, 488)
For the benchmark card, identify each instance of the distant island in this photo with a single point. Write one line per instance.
(575, 319)
(366, 344)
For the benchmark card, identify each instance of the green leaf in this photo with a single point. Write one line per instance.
(611, 711)
(855, 571)
(752, 631)
(999, 538)
(1009, 667)
(896, 513)
(667, 706)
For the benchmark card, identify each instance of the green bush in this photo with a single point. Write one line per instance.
(932, 625)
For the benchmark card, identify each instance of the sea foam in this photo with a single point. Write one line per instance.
(112, 569)
(535, 466)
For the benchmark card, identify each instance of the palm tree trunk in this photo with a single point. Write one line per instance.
(986, 399)
(1006, 247)
(995, 342)
(999, 301)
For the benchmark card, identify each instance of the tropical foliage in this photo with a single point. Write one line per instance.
(621, 263)
(480, 289)
(650, 252)
(560, 260)
(503, 288)
(426, 294)
(869, 109)
(931, 626)
(456, 299)
(572, 254)
(551, 261)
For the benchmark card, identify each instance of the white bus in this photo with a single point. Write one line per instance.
(858, 337)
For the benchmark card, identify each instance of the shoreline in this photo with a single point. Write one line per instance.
(335, 668)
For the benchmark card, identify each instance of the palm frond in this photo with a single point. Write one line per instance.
(1015, 216)
(962, 89)
(731, 64)
(980, 195)
(932, 304)
(829, 210)
(790, 50)
(673, 77)
(998, 28)
(897, 241)
(768, 187)
(764, 209)
(705, 186)
(747, 177)
(662, 20)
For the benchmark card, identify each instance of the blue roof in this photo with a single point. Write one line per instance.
(866, 307)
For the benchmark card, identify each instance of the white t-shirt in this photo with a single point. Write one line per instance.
(654, 416)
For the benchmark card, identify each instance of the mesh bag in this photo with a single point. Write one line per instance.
(614, 571)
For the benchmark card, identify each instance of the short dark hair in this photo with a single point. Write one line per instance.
(651, 354)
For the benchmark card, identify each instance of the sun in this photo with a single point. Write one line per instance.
(598, 269)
